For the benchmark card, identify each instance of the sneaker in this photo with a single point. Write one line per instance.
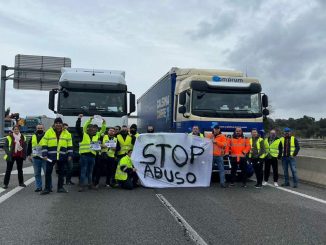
(223, 186)
(258, 186)
(264, 183)
(81, 189)
(275, 184)
(45, 192)
(38, 189)
(232, 184)
(244, 186)
(5, 186)
(108, 186)
(22, 185)
(295, 186)
(62, 190)
(70, 183)
(285, 184)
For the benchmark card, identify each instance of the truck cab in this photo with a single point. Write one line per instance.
(92, 92)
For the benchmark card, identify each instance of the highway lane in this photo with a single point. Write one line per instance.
(113, 216)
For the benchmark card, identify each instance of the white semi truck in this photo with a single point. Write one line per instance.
(91, 92)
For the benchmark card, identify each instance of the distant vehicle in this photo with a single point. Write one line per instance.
(9, 124)
(91, 92)
(183, 98)
(32, 121)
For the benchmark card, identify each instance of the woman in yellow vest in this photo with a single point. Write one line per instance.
(126, 175)
(257, 155)
(15, 147)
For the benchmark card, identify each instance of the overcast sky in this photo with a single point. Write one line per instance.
(283, 43)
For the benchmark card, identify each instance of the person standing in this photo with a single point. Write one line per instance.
(126, 175)
(239, 147)
(125, 142)
(88, 148)
(34, 152)
(273, 148)
(109, 145)
(56, 149)
(257, 155)
(195, 131)
(150, 129)
(69, 163)
(133, 130)
(219, 148)
(291, 148)
(15, 148)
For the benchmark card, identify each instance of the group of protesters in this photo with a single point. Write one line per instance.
(108, 150)
(255, 152)
(101, 150)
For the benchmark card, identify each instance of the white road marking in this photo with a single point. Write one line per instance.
(323, 158)
(27, 170)
(2, 190)
(299, 194)
(15, 190)
(189, 230)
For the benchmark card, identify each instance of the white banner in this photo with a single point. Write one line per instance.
(173, 160)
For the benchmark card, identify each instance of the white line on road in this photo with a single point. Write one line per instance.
(323, 158)
(190, 231)
(15, 190)
(299, 194)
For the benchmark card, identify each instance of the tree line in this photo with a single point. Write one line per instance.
(305, 127)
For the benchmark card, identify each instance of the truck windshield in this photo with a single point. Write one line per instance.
(103, 103)
(227, 105)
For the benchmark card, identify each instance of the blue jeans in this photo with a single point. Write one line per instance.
(38, 165)
(86, 169)
(286, 162)
(218, 161)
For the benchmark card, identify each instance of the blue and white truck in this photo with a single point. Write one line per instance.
(186, 97)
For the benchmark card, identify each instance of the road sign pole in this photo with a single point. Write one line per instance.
(2, 100)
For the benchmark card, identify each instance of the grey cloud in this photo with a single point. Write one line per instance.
(19, 25)
(289, 56)
(218, 27)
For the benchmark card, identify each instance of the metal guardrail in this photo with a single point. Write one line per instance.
(312, 143)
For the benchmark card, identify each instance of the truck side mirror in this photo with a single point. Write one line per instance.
(265, 100)
(182, 109)
(132, 103)
(52, 94)
(265, 112)
(182, 98)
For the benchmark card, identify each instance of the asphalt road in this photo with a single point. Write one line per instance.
(113, 216)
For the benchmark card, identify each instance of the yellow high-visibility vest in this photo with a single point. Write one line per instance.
(272, 148)
(258, 147)
(124, 162)
(292, 145)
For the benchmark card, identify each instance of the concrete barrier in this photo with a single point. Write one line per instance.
(309, 169)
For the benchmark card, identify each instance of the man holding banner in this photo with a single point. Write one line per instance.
(219, 149)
